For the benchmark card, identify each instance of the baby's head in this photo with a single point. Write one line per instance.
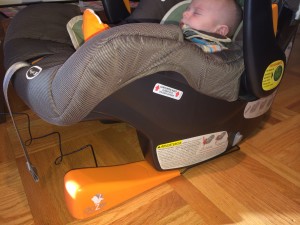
(214, 16)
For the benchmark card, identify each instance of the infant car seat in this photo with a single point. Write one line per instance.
(187, 106)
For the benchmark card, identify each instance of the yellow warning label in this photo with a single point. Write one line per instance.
(273, 75)
(192, 150)
(168, 145)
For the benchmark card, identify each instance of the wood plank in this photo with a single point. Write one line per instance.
(14, 207)
(6, 152)
(206, 210)
(230, 185)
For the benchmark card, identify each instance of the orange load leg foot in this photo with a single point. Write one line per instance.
(91, 191)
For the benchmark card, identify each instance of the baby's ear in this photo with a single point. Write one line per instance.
(222, 30)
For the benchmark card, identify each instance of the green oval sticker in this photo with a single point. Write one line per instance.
(273, 75)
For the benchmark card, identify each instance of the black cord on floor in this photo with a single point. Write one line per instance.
(59, 159)
(185, 170)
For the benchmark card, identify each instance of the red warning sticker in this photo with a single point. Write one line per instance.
(167, 91)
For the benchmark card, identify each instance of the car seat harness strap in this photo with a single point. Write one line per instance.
(9, 74)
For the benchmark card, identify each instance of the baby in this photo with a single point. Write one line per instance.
(212, 20)
(213, 16)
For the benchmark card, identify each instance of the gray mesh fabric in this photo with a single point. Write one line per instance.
(66, 94)
(37, 92)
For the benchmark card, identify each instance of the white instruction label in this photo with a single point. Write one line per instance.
(258, 107)
(190, 151)
(167, 91)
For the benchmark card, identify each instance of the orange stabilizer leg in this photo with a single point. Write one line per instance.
(93, 190)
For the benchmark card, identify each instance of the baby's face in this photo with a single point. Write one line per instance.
(201, 15)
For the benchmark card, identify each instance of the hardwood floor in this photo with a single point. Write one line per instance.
(260, 184)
